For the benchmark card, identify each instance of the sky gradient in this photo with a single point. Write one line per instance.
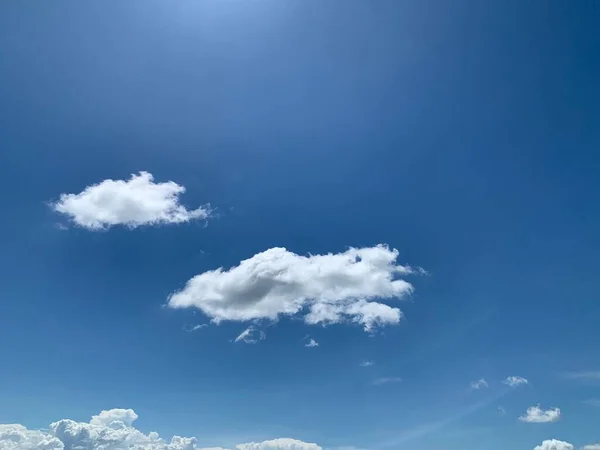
(465, 135)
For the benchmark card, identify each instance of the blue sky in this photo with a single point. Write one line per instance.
(464, 134)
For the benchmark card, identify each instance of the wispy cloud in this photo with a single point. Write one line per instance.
(515, 381)
(366, 363)
(501, 410)
(589, 375)
(431, 427)
(386, 380)
(479, 384)
(311, 343)
(595, 402)
(250, 336)
(535, 414)
(191, 328)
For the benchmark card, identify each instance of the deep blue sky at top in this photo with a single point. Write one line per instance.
(466, 134)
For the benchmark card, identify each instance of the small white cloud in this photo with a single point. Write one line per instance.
(250, 336)
(311, 343)
(108, 417)
(592, 447)
(553, 444)
(132, 203)
(366, 363)
(113, 430)
(192, 328)
(501, 410)
(386, 380)
(479, 384)
(334, 288)
(535, 414)
(515, 381)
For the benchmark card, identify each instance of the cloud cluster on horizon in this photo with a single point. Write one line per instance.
(322, 289)
(131, 203)
(554, 444)
(113, 430)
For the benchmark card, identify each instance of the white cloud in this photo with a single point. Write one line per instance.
(501, 410)
(515, 381)
(333, 288)
(311, 343)
(592, 447)
(535, 414)
(386, 380)
(132, 203)
(113, 430)
(107, 417)
(17, 437)
(192, 328)
(250, 336)
(481, 383)
(279, 444)
(366, 363)
(553, 444)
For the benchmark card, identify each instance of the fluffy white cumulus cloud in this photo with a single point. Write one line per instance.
(107, 417)
(553, 444)
(113, 430)
(132, 203)
(515, 381)
(279, 444)
(324, 289)
(17, 437)
(535, 414)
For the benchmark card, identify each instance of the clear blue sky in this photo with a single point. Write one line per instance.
(465, 134)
